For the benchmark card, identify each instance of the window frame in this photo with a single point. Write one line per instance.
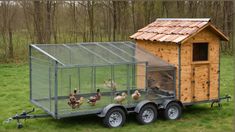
(199, 60)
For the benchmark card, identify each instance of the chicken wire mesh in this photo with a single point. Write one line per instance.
(112, 67)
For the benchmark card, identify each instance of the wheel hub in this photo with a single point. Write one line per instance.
(148, 115)
(173, 112)
(115, 119)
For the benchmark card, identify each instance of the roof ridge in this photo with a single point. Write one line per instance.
(184, 19)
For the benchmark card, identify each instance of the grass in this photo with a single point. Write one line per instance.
(14, 96)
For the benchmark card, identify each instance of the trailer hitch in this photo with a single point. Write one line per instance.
(24, 115)
(226, 97)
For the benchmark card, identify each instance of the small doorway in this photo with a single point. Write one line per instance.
(200, 67)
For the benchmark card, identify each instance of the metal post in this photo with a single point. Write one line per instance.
(133, 75)
(94, 78)
(112, 80)
(219, 76)
(179, 71)
(91, 90)
(128, 84)
(30, 73)
(56, 90)
(174, 82)
(70, 57)
(49, 77)
(79, 80)
(146, 76)
(70, 84)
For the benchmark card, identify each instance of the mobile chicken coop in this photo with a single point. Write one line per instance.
(125, 77)
(192, 45)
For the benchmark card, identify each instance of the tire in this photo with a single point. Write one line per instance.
(173, 111)
(147, 114)
(115, 117)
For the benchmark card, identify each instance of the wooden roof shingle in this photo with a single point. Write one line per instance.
(174, 30)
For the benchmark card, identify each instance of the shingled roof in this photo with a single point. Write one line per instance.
(175, 30)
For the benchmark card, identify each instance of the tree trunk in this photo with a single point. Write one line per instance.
(38, 26)
(10, 46)
(48, 22)
(114, 19)
(133, 15)
(53, 22)
(91, 18)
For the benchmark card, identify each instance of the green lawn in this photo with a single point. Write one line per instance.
(14, 96)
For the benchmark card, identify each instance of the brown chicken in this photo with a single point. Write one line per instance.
(93, 99)
(73, 101)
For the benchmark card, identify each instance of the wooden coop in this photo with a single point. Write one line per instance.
(193, 47)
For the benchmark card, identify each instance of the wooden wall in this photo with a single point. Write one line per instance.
(169, 53)
(186, 65)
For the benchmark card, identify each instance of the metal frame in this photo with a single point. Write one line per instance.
(219, 74)
(56, 90)
(47, 54)
(179, 71)
(45, 109)
(30, 73)
(174, 78)
(59, 65)
(200, 102)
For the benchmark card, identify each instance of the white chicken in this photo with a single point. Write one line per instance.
(110, 84)
(136, 95)
(120, 98)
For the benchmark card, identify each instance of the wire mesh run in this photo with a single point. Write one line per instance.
(112, 68)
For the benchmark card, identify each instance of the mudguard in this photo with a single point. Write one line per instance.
(167, 101)
(142, 103)
(110, 106)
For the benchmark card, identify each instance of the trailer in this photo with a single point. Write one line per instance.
(107, 79)
(128, 79)
(174, 63)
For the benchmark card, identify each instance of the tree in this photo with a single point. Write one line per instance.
(8, 12)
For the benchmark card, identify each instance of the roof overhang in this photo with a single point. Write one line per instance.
(222, 36)
(172, 32)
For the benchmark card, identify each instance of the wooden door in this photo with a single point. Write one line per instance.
(200, 82)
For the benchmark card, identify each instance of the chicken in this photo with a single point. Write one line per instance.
(93, 99)
(110, 84)
(120, 98)
(74, 103)
(136, 95)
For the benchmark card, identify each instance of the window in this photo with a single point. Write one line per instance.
(200, 51)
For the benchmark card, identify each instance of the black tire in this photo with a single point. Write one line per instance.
(173, 111)
(147, 111)
(120, 118)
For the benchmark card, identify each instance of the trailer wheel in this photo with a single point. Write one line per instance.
(115, 117)
(147, 114)
(173, 111)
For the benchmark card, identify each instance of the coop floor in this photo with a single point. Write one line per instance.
(64, 110)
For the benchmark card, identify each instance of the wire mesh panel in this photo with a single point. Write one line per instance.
(160, 83)
(42, 80)
(96, 75)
